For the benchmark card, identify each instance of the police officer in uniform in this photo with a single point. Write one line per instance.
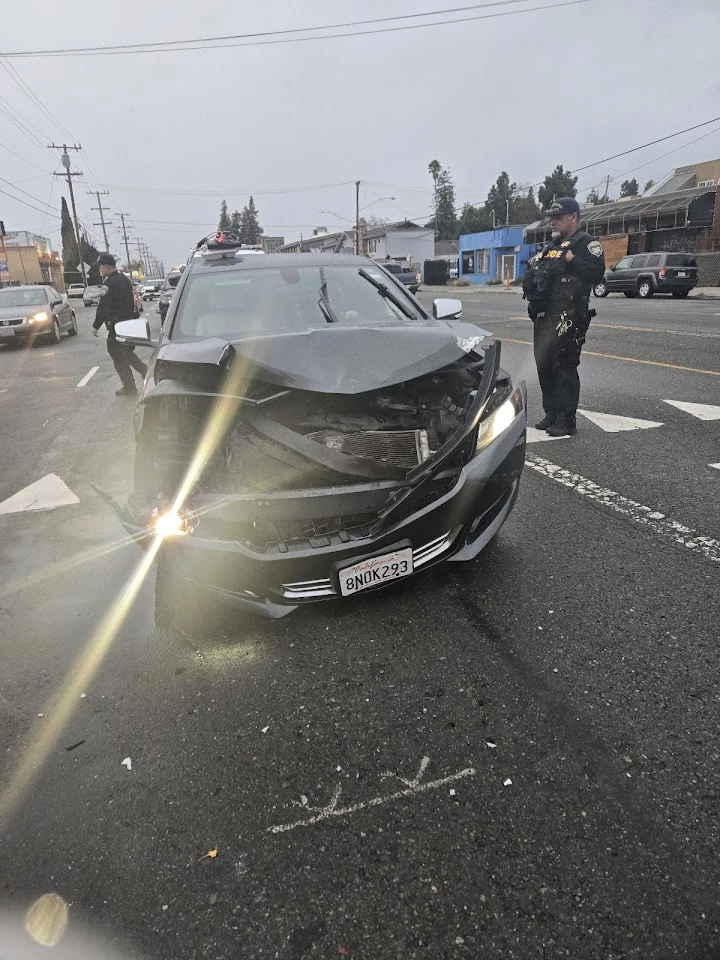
(117, 302)
(557, 285)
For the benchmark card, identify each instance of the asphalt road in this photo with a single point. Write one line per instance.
(563, 689)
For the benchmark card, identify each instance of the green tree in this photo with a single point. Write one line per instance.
(250, 229)
(594, 197)
(499, 197)
(224, 221)
(650, 183)
(629, 188)
(559, 183)
(473, 220)
(70, 254)
(236, 222)
(524, 208)
(447, 228)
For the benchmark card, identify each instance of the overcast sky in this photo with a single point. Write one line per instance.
(171, 134)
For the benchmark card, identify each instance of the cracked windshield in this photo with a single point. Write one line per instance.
(359, 538)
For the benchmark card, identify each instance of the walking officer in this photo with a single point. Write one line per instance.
(557, 286)
(117, 302)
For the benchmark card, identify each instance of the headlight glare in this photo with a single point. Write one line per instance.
(499, 420)
(38, 317)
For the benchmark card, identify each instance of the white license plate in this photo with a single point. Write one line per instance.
(376, 570)
(7, 332)
(681, 273)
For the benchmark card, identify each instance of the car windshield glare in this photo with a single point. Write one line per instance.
(22, 298)
(236, 303)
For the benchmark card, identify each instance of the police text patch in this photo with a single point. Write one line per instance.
(595, 248)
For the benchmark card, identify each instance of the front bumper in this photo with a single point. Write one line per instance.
(274, 581)
(24, 330)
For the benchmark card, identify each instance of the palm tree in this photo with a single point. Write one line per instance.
(434, 169)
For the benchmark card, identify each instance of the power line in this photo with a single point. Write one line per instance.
(26, 204)
(234, 191)
(8, 112)
(24, 159)
(204, 44)
(31, 95)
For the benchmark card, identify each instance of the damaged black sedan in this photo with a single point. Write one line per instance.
(307, 431)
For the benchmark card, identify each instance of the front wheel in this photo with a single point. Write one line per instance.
(54, 336)
(73, 331)
(680, 294)
(601, 289)
(645, 289)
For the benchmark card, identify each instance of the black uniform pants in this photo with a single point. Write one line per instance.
(123, 357)
(557, 360)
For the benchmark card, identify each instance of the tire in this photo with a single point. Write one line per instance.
(601, 289)
(73, 331)
(645, 289)
(179, 604)
(630, 296)
(54, 336)
(680, 294)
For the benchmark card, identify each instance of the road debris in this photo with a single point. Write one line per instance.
(343, 951)
(211, 854)
(82, 696)
(265, 729)
(508, 782)
(491, 744)
(73, 745)
(127, 762)
(303, 800)
(452, 793)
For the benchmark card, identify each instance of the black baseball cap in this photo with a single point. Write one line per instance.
(105, 260)
(561, 206)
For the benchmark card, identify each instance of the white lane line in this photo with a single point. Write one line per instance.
(716, 465)
(45, 494)
(90, 373)
(703, 411)
(637, 512)
(612, 423)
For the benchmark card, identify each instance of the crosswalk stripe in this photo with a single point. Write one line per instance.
(540, 436)
(45, 494)
(611, 423)
(703, 411)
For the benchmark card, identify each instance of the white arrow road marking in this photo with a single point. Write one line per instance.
(703, 411)
(716, 465)
(611, 423)
(645, 516)
(87, 376)
(45, 494)
(539, 436)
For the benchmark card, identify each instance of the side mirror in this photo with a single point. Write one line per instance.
(57, 303)
(445, 308)
(136, 332)
(174, 281)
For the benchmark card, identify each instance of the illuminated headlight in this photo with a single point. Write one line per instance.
(499, 420)
(38, 317)
(171, 523)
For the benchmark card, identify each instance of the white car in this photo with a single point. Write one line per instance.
(76, 290)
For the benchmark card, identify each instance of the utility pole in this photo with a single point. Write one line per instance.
(65, 160)
(138, 241)
(607, 188)
(98, 194)
(125, 239)
(357, 217)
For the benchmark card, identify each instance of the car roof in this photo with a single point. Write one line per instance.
(29, 286)
(275, 260)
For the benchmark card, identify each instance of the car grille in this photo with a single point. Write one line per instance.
(403, 448)
(314, 589)
(13, 322)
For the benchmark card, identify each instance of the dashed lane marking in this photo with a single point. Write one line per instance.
(620, 326)
(612, 356)
(88, 375)
(634, 511)
(703, 411)
(611, 423)
(45, 494)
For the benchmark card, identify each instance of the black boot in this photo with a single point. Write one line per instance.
(565, 427)
(129, 391)
(547, 421)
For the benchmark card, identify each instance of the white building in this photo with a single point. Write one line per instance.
(404, 240)
(21, 238)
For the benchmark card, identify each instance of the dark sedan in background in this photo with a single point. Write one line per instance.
(31, 313)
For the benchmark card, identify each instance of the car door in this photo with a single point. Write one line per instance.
(616, 277)
(636, 269)
(59, 307)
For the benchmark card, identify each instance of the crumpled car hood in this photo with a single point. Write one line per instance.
(339, 359)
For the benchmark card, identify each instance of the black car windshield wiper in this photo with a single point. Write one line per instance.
(387, 294)
(324, 301)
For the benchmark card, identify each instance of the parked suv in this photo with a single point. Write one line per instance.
(644, 274)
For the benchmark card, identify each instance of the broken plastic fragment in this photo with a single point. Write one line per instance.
(82, 696)
(265, 729)
(491, 744)
(508, 782)
(452, 793)
(127, 762)
(211, 854)
(338, 768)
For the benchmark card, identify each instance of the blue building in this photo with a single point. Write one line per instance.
(494, 254)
